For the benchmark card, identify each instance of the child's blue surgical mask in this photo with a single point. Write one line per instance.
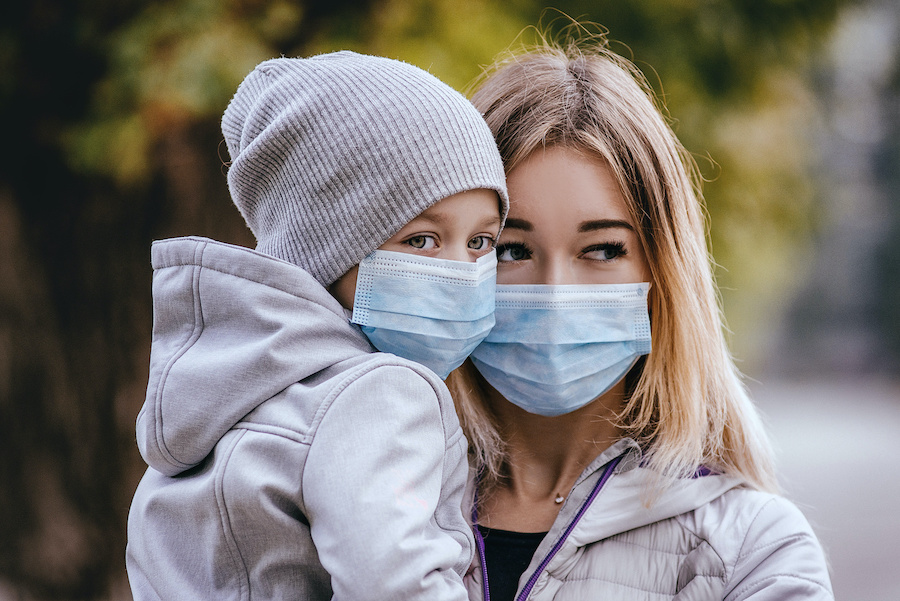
(432, 311)
(554, 349)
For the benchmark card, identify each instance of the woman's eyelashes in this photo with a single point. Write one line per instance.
(608, 251)
(513, 251)
(605, 252)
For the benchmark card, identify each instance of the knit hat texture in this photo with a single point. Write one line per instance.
(332, 155)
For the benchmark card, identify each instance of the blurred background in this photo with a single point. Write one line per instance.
(111, 110)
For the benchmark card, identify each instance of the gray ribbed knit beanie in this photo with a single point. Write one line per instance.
(333, 154)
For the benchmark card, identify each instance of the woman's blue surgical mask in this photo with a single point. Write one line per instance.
(432, 311)
(554, 349)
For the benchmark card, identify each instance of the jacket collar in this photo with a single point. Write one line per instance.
(634, 496)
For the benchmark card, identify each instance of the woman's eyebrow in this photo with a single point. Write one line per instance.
(518, 224)
(602, 224)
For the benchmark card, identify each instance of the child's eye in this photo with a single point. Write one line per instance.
(480, 243)
(605, 252)
(513, 251)
(422, 242)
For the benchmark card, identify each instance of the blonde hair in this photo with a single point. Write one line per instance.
(687, 405)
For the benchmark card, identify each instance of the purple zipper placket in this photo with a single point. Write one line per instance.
(479, 544)
(479, 540)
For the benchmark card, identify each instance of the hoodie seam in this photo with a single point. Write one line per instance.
(273, 430)
(454, 438)
(240, 567)
(191, 339)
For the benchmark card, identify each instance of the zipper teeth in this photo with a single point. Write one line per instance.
(534, 577)
(479, 543)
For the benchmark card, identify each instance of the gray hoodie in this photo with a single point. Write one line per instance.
(288, 460)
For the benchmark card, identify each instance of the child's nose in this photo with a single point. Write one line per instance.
(458, 252)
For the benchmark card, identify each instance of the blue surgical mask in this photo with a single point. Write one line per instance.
(554, 349)
(432, 311)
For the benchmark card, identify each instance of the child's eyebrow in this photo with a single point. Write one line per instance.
(495, 220)
(440, 218)
(431, 217)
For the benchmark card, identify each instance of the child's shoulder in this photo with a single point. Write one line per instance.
(393, 386)
(390, 374)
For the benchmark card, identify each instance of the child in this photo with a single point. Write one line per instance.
(288, 459)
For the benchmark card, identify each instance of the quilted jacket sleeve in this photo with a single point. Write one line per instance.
(383, 501)
(780, 558)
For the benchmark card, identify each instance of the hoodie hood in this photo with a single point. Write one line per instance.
(232, 327)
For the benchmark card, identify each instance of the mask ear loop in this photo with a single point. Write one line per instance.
(637, 370)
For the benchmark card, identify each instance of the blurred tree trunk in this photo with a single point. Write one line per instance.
(75, 313)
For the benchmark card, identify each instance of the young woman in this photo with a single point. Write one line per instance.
(607, 470)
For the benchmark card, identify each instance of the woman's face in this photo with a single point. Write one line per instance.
(568, 224)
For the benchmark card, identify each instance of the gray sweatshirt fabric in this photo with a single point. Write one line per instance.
(703, 539)
(288, 460)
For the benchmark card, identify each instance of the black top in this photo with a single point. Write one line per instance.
(506, 555)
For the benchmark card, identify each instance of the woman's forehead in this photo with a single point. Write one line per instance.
(558, 185)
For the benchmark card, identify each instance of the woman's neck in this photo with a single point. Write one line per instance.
(547, 455)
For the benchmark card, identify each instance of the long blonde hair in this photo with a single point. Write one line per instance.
(687, 405)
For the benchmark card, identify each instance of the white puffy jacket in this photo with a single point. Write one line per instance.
(704, 538)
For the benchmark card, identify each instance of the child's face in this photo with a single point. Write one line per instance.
(462, 227)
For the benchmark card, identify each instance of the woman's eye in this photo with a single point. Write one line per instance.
(480, 243)
(605, 252)
(512, 252)
(422, 242)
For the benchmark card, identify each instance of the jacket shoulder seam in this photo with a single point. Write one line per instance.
(773, 578)
(776, 543)
(756, 517)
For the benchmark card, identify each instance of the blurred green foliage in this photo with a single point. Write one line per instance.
(735, 77)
